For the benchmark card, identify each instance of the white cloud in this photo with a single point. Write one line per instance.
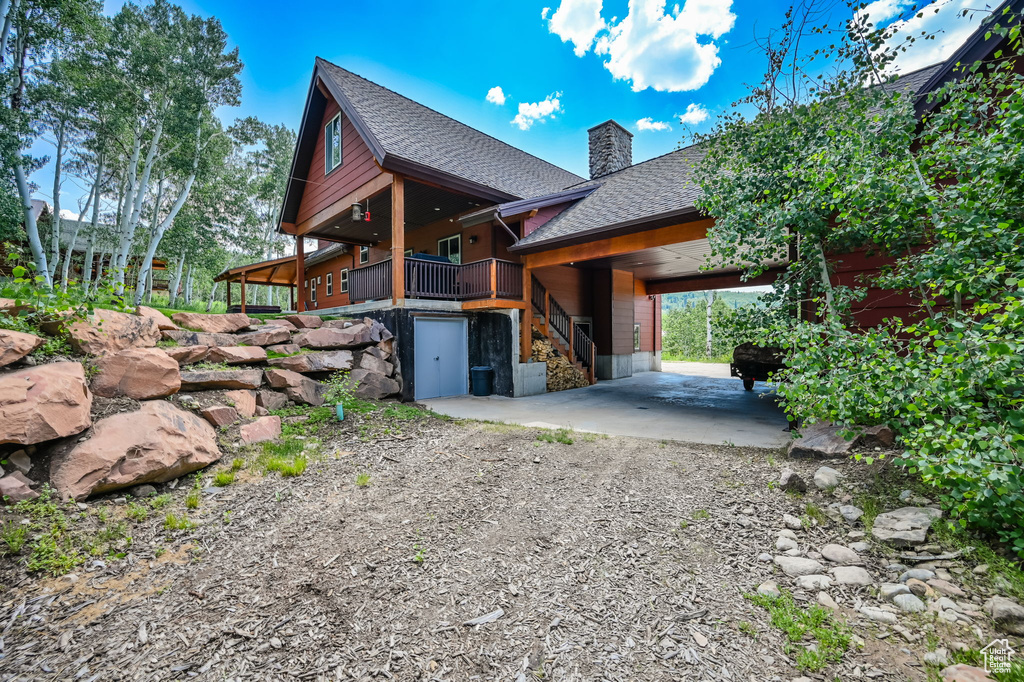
(529, 113)
(881, 11)
(578, 22)
(694, 114)
(950, 28)
(544, 13)
(671, 52)
(496, 96)
(650, 124)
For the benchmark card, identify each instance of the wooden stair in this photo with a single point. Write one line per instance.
(551, 320)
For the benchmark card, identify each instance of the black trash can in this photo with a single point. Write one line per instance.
(483, 380)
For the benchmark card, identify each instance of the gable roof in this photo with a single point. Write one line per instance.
(654, 193)
(410, 138)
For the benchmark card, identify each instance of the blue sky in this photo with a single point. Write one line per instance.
(567, 65)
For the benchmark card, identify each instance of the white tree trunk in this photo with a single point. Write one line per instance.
(55, 220)
(172, 291)
(213, 297)
(710, 295)
(7, 11)
(31, 229)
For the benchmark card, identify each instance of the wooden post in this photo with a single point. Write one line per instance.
(291, 298)
(572, 356)
(526, 335)
(547, 309)
(229, 294)
(300, 273)
(494, 278)
(397, 239)
(243, 293)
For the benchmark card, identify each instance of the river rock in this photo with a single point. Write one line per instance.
(14, 487)
(769, 588)
(373, 386)
(850, 512)
(961, 672)
(297, 387)
(813, 582)
(107, 331)
(1007, 614)
(326, 361)
(888, 591)
(822, 440)
(139, 373)
(157, 443)
(224, 323)
(851, 575)
(945, 587)
(162, 321)
(908, 603)
(906, 526)
(844, 556)
(16, 345)
(219, 415)
(264, 428)
(826, 478)
(243, 401)
(327, 338)
(237, 355)
(42, 403)
(305, 321)
(206, 380)
(798, 566)
(266, 336)
(187, 355)
(790, 480)
(270, 400)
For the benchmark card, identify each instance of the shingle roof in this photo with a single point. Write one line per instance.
(402, 128)
(663, 186)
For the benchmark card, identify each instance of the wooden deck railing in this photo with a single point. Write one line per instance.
(489, 278)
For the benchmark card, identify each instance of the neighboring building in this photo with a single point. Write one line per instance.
(463, 244)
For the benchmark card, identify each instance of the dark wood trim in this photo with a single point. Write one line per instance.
(720, 280)
(614, 246)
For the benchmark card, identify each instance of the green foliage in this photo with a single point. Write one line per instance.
(54, 553)
(224, 478)
(137, 512)
(563, 436)
(815, 623)
(14, 536)
(160, 501)
(286, 456)
(363, 480)
(849, 167)
(174, 522)
(193, 498)
(685, 332)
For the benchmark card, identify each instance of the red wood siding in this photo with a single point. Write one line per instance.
(571, 287)
(543, 215)
(853, 270)
(357, 168)
(622, 312)
(648, 314)
(333, 266)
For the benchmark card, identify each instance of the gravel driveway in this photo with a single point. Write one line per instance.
(604, 559)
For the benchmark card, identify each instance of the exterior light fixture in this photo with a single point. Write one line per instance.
(358, 214)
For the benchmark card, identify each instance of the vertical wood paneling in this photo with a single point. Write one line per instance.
(358, 167)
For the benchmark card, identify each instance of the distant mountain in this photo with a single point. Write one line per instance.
(733, 299)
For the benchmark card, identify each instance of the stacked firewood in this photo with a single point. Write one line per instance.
(562, 374)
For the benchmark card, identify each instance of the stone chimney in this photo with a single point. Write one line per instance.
(611, 148)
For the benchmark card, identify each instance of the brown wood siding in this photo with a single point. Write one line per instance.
(357, 168)
(333, 266)
(424, 240)
(622, 312)
(853, 270)
(645, 311)
(571, 287)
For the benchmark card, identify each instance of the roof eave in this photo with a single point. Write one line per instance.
(683, 215)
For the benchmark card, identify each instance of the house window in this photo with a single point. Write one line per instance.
(636, 336)
(450, 248)
(312, 290)
(332, 144)
(330, 284)
(364, 255)
(343, 281)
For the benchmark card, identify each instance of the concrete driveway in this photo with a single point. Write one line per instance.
(660, 405)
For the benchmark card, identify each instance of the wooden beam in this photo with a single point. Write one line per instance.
(397, 239)
(367, 190)
(485, 303)
(709, 281)
(300, 273)
(526, 329)
(229, 294)
(243, 293)
(616, 246)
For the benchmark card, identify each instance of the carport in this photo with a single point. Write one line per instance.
(659, 405)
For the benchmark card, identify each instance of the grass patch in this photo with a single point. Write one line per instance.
(211, 367)
(317, 418)
(363, 480)
(14, 536)
(814, 623)
(287, 467)
(174, 522)
(271, 354)
(193, 498)
(224, 478)
(701, 515)
(237, 464)
(815, 513)
(160, 501)
(564, 436)
(136, 512)
(403, 412)
(977, 659)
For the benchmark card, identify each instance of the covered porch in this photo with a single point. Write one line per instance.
(474, 283)
(279, 272)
